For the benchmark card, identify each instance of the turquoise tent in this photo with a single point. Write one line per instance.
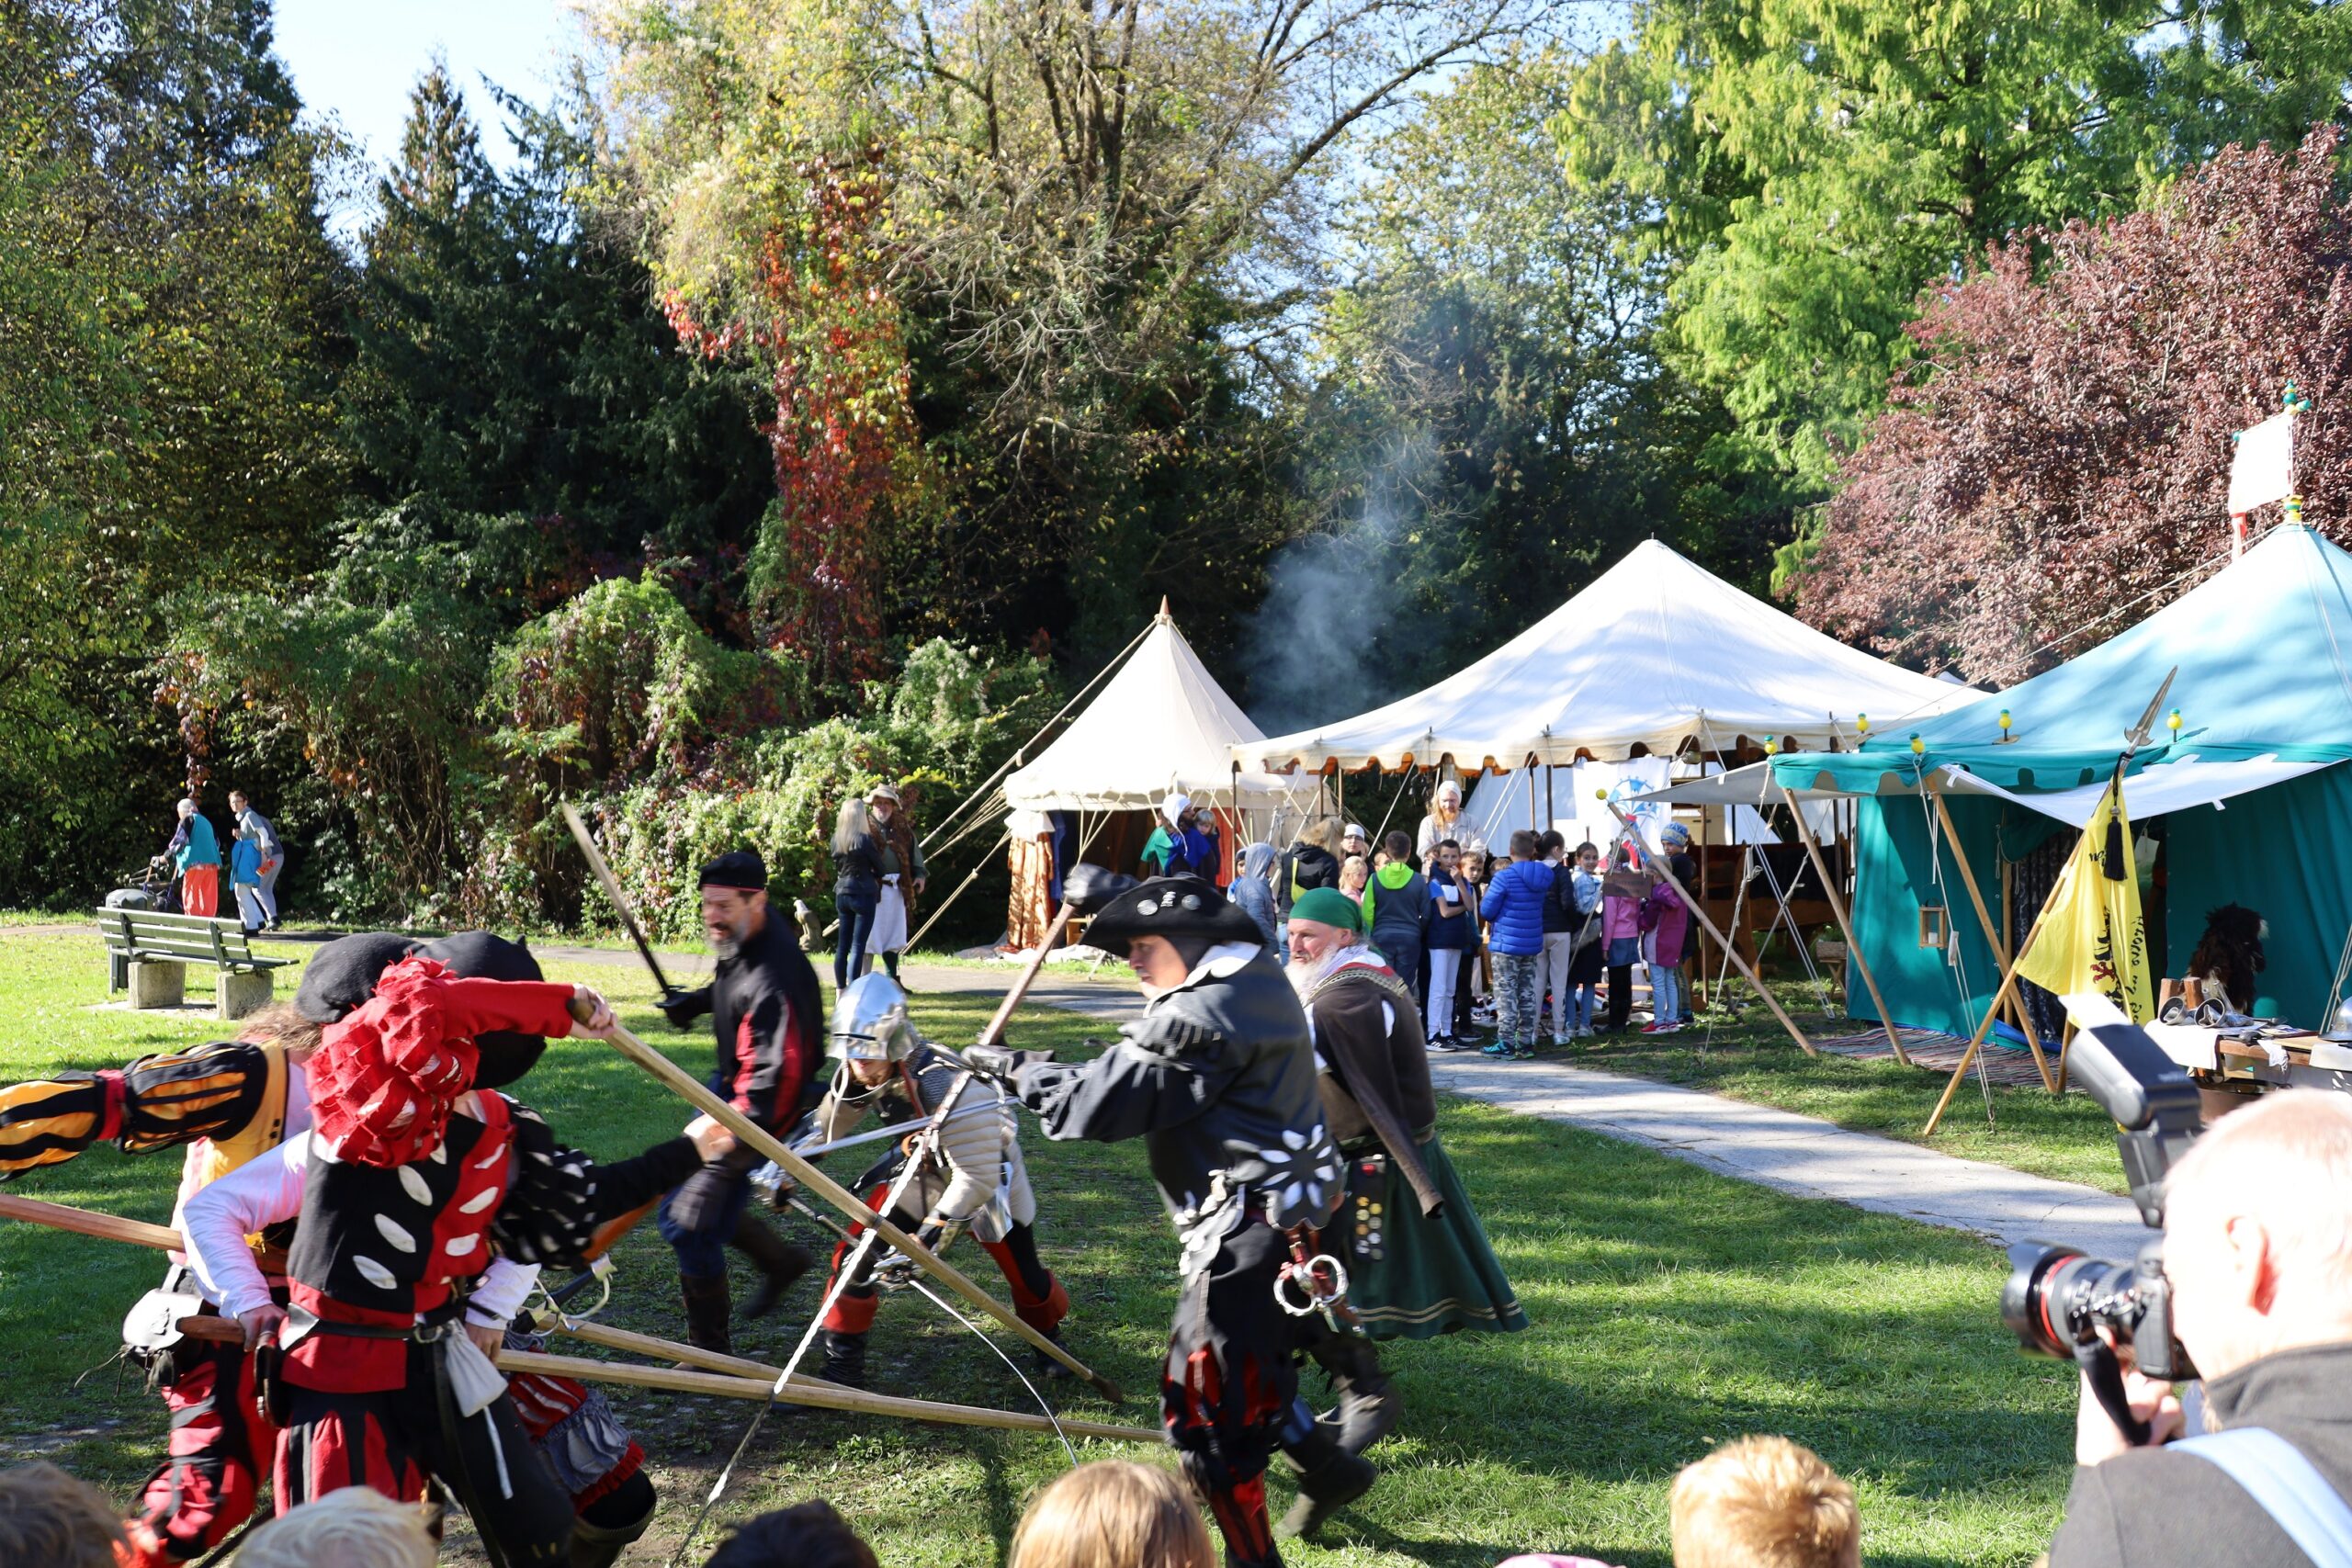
(2263, 697)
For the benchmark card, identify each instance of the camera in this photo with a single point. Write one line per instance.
(2057, 1298)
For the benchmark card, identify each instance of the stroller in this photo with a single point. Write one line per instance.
(158, 891)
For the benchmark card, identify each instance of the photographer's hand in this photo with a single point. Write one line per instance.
(2097, 1440)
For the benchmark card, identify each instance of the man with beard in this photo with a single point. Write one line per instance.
(1418, 1260)
(770, 1023)
(1217, 1078)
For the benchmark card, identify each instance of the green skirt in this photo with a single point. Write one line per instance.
(1412, 1276)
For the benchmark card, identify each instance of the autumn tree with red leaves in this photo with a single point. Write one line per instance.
(842, 436)
(2052, 465)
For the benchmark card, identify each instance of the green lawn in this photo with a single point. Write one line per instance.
(2067, 1138)
(1673, 1309)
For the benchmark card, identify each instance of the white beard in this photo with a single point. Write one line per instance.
(1306, 974)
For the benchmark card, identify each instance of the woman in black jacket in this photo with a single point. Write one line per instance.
(1313, 862)
(857, 890)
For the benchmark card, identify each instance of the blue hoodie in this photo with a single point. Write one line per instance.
(1514, 907)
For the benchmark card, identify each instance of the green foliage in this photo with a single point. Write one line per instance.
(509, 356)
(1809, 165)
(937, 733)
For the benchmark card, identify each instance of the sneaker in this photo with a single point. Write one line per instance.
(1499, 1051)
(1584, 1032)
(1444, 1045)
(1663, 1029)
(1523, 1053)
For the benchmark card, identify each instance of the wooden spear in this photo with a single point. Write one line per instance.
(742, 1380)
(751, 1136)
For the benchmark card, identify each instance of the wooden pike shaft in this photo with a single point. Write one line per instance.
(109, 1227)
(753, 1137)
(822, 1395)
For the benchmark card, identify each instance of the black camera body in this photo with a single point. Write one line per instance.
(2057, 1298)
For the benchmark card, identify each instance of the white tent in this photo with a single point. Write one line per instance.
(1657, 652)
(1161, 725)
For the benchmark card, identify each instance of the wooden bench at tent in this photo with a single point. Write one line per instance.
(148, 956)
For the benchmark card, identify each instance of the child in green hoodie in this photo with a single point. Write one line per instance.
(1396, 907)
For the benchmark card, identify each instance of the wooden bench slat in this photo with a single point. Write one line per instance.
(202, 938)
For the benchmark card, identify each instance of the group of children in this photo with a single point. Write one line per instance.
(1560, 942)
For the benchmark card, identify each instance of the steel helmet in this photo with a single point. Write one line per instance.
(870, 1022)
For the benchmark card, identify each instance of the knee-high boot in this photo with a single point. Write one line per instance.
(779, 1261)
(1329, 1478)
(707, 1308)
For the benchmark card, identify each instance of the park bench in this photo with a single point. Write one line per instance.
(148, 956)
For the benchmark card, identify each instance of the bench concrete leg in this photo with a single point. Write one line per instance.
(157, 983)
(241, 994)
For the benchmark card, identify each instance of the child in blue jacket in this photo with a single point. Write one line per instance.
(1513, 908)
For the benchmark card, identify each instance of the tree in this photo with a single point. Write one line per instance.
(1077, 222)
(2054, 464)
(1490, 423)
(510, 361)
(1812, 164)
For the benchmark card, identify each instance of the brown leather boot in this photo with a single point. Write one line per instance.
(779, 1261)
(707, 1308)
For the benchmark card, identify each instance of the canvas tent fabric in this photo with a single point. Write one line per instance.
(2262, 650)
(1657, 652)
(1161, 724)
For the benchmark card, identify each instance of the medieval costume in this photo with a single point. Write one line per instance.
(228, 1103)
(1217, 1078)
(1418, 1260)
(409, 1178)
(769, 1020)
(900, 856)
(974, 1176)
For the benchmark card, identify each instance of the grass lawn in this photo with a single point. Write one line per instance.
(2067, 1138)
(1672, 1309)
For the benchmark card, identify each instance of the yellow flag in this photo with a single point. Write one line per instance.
(2092, 937)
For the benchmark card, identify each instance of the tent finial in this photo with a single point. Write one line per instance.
(1163, 608)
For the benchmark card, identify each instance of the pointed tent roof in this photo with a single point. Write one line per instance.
(1656, 650)
(2264, 651)
(1161, 723)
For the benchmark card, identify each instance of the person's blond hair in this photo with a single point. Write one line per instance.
(1357, 867)
(353, 1527)
(1114, 1512)
(47, 1517)
(2286, 1159)
(1323, 833)
(1764, 1503)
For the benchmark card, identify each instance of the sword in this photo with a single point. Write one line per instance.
(611, 885)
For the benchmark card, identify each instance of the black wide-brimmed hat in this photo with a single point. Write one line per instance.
(481, 955)
(343, 974)
(1172, 907)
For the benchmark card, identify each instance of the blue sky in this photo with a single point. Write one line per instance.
(358, 62)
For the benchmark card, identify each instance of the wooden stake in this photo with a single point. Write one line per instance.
(1625, 826)
(2000, 948)
(822, 1396)
(1845, 926)
(751, 1136)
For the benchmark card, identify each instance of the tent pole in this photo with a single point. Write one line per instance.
(1666, 868)
(2000, 948)
(2009, 990)
(1845, 926)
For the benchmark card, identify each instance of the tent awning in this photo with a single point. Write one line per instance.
(2152, 792)
(1655, 653)
(1750, 785)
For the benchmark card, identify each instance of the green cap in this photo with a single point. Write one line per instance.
(1330, 906)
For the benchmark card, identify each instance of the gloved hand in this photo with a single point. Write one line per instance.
(998, 1062)
(682, 1008)
(1088, 888)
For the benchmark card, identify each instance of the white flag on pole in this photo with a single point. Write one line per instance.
(2264, 468)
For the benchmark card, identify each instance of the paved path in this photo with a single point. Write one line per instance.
(1799, 1154)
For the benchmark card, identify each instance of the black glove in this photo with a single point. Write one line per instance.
(682, 1008)
(998, 1062)
(1089, 888)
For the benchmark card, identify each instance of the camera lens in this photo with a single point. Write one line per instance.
(2055, 1294)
